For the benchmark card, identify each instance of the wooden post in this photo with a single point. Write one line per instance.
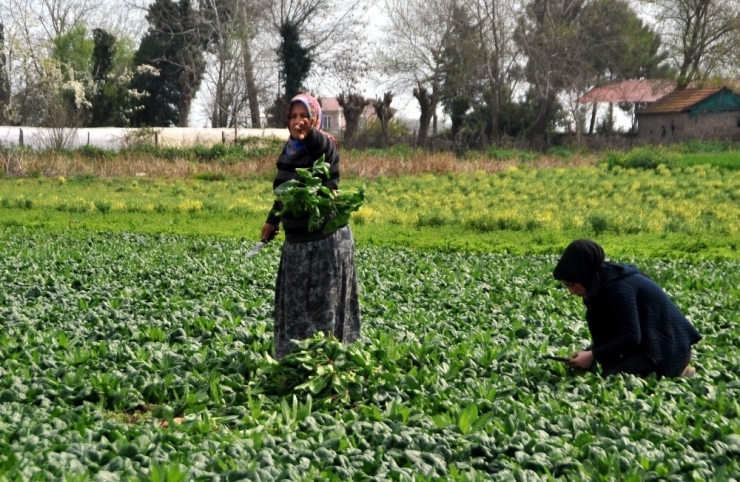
(223, 137)
(88, 138)
(20, 138)
(156, 141)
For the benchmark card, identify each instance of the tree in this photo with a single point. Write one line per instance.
(37, 31)
(412, 54)
(700, 36)
(173, 48)
(385, 113)
(232, 28)
(73, 49)
(499, 61)
(314, 33)
(462, 79)
(4, 82)
(110, 96)
(549, 36)
(623, 48)
(428, 99)
(295, 60)
(353, 105)
(295, 64)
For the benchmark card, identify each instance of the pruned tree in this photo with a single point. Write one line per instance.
(702, 37)
(353, 106)
(428, 99)
(385, 113)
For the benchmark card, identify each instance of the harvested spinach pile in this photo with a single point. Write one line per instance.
(307, 195)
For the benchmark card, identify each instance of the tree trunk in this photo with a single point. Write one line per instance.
(4, 83)
(496, 114)
(384, 112)
(252, 99)
(593, 119)
(538, 131)
(425, 118)
(217, 117)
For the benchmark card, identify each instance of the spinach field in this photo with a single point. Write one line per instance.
(144, 356)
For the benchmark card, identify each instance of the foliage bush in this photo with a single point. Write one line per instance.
(371, 134)
(89, 151)
(705, 146)
(643, 158)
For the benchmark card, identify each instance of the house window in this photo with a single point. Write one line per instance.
(326, 123)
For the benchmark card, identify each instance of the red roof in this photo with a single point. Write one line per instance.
(679, 100)
(330, 104)
(630, 91)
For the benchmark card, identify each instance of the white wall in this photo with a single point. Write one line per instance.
(115, 138)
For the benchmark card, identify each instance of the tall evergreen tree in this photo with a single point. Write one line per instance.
(295, 64)
(173, 46)
(295, 60)
(462, 77)
(110, 98)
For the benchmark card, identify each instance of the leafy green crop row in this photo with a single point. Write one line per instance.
(128, 356)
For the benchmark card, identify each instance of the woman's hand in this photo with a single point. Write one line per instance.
(582, 359)
(303, 128)
(268, 232)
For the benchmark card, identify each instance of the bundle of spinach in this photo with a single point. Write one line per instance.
(307, 195)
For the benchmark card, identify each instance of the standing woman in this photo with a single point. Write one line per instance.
(316, 288)
(635, 327)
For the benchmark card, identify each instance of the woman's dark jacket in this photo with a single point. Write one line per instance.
(316, 144)
(630, 314)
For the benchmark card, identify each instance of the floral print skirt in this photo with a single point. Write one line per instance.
(317, 290)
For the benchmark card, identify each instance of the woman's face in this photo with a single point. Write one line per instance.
(576, 288)
(298, 116)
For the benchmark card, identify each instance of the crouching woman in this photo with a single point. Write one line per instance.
(635, 327)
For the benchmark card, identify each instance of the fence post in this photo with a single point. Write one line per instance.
(88, 138)
(223, 137)
(156, 141)
(20, 138)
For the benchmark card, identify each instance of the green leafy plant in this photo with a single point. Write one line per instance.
(325, 207)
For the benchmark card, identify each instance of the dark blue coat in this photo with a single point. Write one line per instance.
(630, 314)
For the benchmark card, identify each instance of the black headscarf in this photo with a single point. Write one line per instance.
(580, 263)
